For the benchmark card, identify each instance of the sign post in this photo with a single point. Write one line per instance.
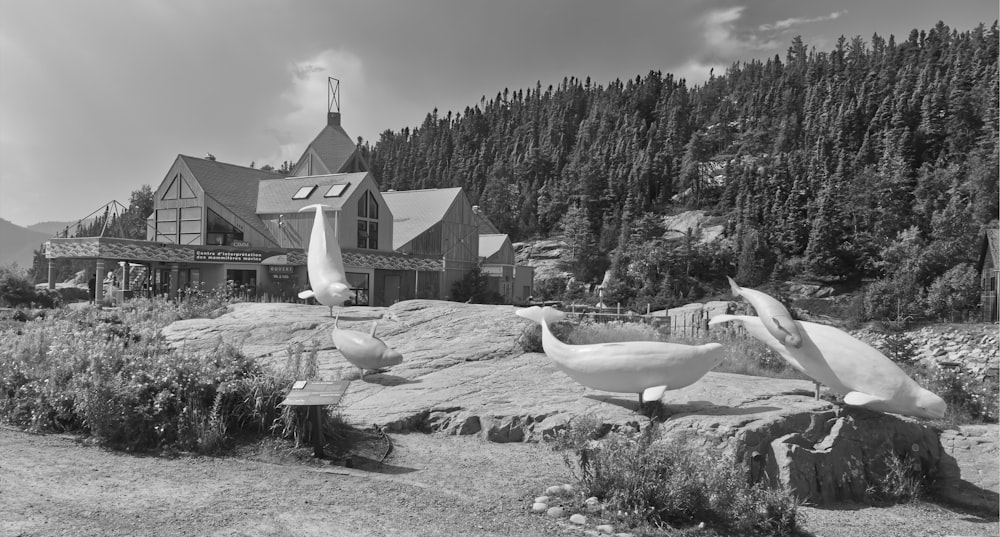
(314, 396)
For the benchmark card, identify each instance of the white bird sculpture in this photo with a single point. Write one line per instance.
(849, 367)
(327, 278)
(647, 368)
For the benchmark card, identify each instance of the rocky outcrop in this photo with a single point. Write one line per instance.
(973, 348)
(464, 373)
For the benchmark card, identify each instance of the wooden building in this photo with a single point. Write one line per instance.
(989, 272)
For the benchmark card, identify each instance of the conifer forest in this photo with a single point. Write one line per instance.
(874, 163)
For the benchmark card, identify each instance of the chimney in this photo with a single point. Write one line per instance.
(333, 119)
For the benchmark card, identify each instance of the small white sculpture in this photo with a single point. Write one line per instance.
(327, 278)
(364, 351)
(647, 368)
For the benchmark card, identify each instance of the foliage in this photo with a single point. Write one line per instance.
(113, 377)
(970, 400)
(903, 481)
(955, 291)
(531, 337)
(829, 157)
(474, 288)
(16, 290)
(652, 481)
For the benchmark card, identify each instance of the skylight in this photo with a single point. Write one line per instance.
(304, 192)
(336, 191)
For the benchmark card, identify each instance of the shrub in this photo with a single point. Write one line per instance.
(647, 481)
(969, 400)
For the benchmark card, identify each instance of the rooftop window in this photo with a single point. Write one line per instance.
(304, 192)
(336, 191)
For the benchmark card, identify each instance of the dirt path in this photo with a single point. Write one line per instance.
(433, 485)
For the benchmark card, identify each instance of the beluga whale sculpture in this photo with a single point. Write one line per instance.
(646, 368)
(848, 366)
(776, 318)
(327, 278)
(364, 351)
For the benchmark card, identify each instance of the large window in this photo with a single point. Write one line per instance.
(368, 222)
(219, 231)
(360, 285)
(179, 226)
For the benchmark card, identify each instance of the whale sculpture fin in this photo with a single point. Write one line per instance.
(552, 315)
(723, 318)
(653, 394)
(862, 399)
(306, 294)
(737, 291)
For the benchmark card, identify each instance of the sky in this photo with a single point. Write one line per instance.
(98, 97)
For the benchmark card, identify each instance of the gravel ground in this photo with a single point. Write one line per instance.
(431, 485)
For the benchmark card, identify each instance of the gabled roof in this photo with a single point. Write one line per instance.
(232, 186)
(334, 148)
(274, 195)
(491, 243)
(415, 211)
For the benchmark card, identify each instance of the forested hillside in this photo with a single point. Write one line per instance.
(875, 160)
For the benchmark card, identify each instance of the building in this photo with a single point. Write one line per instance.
(511, 281)
(218, 225)
(989, 271)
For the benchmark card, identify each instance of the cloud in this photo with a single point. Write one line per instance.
(306, 98)
(724, 42)
(795, 21)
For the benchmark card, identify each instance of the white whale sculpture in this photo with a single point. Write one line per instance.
(647, 368)
(327, 278)
(364, 351)
(772, 313)
(848, 366)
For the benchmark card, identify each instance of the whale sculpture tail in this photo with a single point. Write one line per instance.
(737, 290)
(538, 314)
(316, 206)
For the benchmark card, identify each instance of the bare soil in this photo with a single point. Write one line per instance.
(430, 485)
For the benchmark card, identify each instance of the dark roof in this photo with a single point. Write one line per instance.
(275, 195)
(234, 187)
(333, 146)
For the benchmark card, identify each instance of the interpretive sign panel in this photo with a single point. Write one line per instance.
(305, 393)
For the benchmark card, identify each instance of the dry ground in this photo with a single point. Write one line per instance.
(431, 485)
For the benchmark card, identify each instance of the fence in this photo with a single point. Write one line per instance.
(685, 323)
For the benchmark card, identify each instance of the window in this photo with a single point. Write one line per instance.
(368, 221)
(179, 226)
(219, 231)
(336, 191)
(304, 192)
(178, 189)
(367, 234)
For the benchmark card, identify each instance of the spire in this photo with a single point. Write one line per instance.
(332, 101)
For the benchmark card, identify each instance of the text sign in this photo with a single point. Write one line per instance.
(316, 393)
(228, 256)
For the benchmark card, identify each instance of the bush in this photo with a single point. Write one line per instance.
(969, 400)
(646, 481)
(114, 378)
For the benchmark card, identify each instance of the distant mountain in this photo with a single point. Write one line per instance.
(50, 228)
(17, 244)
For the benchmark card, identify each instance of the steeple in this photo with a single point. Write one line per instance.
(332, 101)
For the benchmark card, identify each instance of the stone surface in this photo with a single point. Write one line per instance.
(465, 373)
(556, 512)
(578, 519)
(969, 473)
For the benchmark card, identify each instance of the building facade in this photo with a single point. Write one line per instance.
(217, 225)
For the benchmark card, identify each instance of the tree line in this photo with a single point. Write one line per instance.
(874, 161)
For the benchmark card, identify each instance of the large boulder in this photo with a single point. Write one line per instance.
(464, 372)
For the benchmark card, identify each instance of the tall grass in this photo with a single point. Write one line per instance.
(648, 482)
